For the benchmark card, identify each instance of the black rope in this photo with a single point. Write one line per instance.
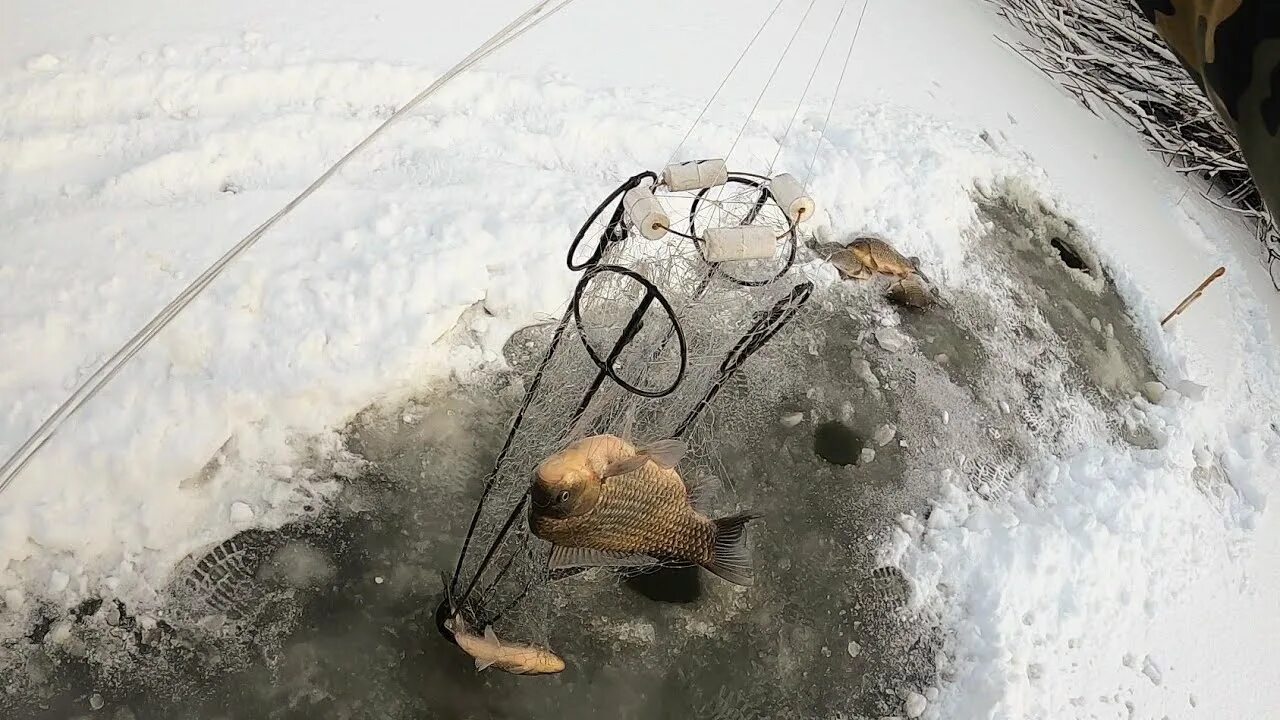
(766, 326)
(616, 231)
(607, 369)
(506, 445)
(493, 549)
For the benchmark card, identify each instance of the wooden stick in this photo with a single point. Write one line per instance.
(1194, 295)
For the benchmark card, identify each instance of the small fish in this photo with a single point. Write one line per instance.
(911, 291)
(865, 257)
(634, 510)
(489, 651)
(846, 263)
(879, 256)
(843, 259)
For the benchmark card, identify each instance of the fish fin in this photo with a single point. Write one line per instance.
(482, 665)
(622, 467)
(564, 557)
(492, 636)
(732, 559)
(664, 453)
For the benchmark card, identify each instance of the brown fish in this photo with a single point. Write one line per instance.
(599, 456)
(489, 651)
(843, 259)
(879, 256)
(635, 511)
(846, 262)
(911, 291)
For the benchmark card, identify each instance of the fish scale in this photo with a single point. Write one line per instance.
(601, 501)
(644, 512)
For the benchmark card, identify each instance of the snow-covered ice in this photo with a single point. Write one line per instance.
(137, 143)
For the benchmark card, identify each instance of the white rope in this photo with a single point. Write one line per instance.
(817, 63)
(823, 134)
(108, 370)
(785, 51)
(727, 75)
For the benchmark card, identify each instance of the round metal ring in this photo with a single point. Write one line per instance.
(606, 364)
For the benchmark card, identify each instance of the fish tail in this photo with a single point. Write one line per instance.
(732, 557)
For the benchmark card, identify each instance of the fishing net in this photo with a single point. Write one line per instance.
(655, 338)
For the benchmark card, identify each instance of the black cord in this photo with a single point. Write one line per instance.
(615, 231)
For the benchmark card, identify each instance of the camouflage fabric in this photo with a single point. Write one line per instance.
(1232, 49)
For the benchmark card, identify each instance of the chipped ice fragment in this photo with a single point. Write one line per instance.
(884, 435)
(915, 705)
(1153, 391)
(891, 339)
(241, 513)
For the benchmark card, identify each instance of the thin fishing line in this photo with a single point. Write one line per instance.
(727, 75)
(785, 51)
(108, 370)
(786, 133)
(823, 134)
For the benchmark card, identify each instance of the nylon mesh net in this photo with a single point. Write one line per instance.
(656, 339)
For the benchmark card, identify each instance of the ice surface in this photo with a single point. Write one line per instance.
(136, 149)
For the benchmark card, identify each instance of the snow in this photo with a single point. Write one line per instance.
(133, 152)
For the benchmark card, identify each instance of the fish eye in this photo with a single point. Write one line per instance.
(564, 496)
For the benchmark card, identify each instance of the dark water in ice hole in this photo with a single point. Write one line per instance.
(347, 629)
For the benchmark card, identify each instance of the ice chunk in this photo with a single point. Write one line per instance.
(866, 456)
(863, 370)
(885, 434)
(241, 513)
(1191, 390)
(792, 420)
(915, 705)
(96, 702)
(58, 581)
(1153, 391)
(892, 339)
(60, 632)
(854, 649)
